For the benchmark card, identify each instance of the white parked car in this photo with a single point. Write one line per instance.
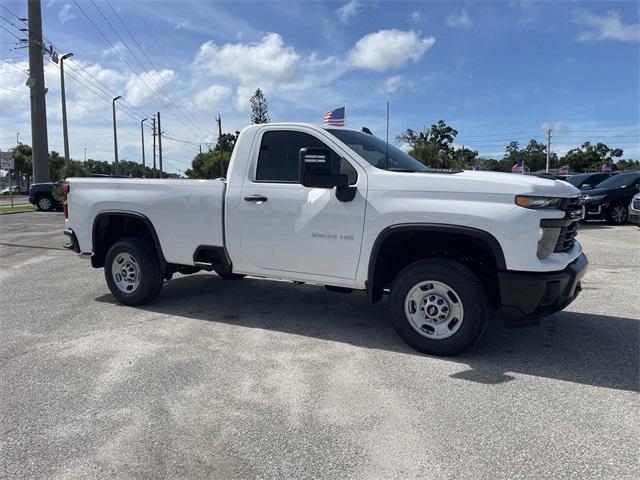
(337, 207)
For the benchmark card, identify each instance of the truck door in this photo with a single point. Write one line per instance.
(290, 228)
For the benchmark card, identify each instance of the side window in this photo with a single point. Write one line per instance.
(279, 154)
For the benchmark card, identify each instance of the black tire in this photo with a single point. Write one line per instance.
(150, 271)
(44, 203)
(617, 214)
(470, 293)
(230, 276)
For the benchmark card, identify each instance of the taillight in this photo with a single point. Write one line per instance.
(66, 188)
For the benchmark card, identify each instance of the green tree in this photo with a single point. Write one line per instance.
(432, 147)
(534, 156)
(56, 164)
(259, 108)
(464, 158)
(214, 163)
(590, 157)
(627, 165)
(23, 163)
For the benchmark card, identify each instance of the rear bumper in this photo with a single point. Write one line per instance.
(525, 296)
(73, 245)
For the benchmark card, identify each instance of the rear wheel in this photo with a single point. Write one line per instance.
(617, 214)
(44, 203)
(438, 306)
(133, 272)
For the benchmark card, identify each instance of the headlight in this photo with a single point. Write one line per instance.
(527, 201)
(594, 198)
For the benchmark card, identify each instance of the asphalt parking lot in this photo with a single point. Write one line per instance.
(260, 379)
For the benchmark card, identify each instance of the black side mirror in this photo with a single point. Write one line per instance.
(316, 171)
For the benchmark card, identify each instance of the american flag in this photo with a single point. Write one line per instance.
(334, 117)
(517, 168)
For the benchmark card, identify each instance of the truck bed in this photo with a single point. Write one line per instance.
(185, 213)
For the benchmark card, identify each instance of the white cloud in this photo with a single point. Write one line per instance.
(267, 61)
(139, 90)
(211, 97)
(557, 127)
(415, 17)
(182, 24)
(348, 10)
(459, 19)
(389, 49)
(392, 84)
(65, 13)
(117, 48)
(606, 27)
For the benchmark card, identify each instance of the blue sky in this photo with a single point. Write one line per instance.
(496, 71)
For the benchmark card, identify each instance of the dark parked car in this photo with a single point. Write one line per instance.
(587, 180)
(610, 199)
(46, 196)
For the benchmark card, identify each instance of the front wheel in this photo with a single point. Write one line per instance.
(133, 272)
(617, 214)
(438, 306)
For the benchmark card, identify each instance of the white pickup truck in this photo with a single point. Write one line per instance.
(340, 208)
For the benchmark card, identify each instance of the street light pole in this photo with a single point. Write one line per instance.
(144, 165)
(115, 135)
(65, 132)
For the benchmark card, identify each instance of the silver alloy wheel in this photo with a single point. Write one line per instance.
(125, 272)
(44, 203)
(619, 213)
(434, 309)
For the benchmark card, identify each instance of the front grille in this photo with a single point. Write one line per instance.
(567, 238)
(636, 203)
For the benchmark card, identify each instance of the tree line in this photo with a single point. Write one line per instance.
(433, 146)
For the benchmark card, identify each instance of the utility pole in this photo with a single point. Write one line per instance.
(160, 145)
(144, 165)
(548, 147)
(65, 132)
(153, 123)
(116, 167)
(85, 154)
(200, 148)
(219, 121)
(40, 147)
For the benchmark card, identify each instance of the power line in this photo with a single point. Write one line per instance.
(117, 52)
(152, 65)
(10, 32)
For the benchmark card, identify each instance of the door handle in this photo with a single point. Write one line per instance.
(256, 198)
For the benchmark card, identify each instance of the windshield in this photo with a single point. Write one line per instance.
(374, 151)
(576, 180)
(619, 181)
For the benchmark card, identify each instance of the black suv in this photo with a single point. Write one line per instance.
(610, 199)
(587, 180)
(46, 196)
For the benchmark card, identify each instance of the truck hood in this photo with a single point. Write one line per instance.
(477, 182)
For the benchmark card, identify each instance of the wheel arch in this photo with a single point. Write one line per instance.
(376, 278)
(111, 226)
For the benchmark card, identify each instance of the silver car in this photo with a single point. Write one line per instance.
(634, 209)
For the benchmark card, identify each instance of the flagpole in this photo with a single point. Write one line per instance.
(345, 114)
